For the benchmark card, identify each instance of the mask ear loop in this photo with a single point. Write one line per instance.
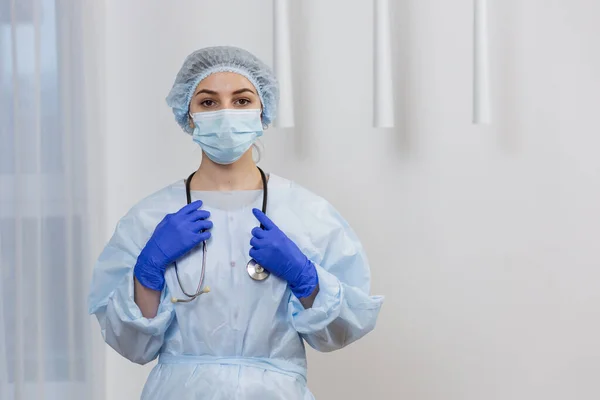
(265, 126)
(191, 121)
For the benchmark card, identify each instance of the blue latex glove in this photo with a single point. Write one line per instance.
(174, 237)
(272, 249)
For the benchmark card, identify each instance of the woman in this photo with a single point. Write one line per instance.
(308, 279)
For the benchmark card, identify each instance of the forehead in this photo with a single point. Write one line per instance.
(225, 82)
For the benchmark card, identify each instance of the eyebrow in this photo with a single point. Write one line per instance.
(213, 93)
(244, 90)
(206, 91)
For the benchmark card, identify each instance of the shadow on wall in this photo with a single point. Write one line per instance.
(506, 119)
(403, 40)
(302, 67)
(402, 136)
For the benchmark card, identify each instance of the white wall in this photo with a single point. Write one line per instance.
(484, 240)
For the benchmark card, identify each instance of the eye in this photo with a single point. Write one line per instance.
(242, 102)
(208, 103)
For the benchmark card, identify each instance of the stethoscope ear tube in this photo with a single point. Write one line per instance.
(255, 271)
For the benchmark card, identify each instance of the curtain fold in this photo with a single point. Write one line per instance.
(44, 238)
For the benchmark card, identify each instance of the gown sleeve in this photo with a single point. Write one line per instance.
(111, 297)
(343, 310)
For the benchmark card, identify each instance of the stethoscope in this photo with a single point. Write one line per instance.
(255, 270)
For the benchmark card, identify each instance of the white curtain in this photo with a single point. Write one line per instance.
(44, 232)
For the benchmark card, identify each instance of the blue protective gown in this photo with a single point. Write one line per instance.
(245, 339)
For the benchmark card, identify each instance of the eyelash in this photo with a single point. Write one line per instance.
(203, 102)
(244, 102)
(247, 101)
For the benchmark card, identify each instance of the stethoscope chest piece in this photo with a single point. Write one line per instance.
(256, 271)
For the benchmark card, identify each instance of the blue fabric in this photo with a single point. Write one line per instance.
(273, 250)
(174, 236)
(279, 366)
(204, 62)
(225, 135)
(241, 324)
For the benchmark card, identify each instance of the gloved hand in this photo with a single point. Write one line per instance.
(174, 237)
(273, 250)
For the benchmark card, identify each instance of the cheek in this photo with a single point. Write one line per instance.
(194, 107)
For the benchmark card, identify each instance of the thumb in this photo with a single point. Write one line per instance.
(263, 219)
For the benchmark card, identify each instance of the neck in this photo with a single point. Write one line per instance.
(241, 175)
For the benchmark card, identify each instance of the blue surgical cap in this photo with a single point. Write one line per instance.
(204, 62)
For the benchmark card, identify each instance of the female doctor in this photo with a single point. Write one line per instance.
(224, 275)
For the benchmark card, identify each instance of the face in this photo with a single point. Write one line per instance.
(224, 90)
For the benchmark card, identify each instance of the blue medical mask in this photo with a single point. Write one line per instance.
(225, 135)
